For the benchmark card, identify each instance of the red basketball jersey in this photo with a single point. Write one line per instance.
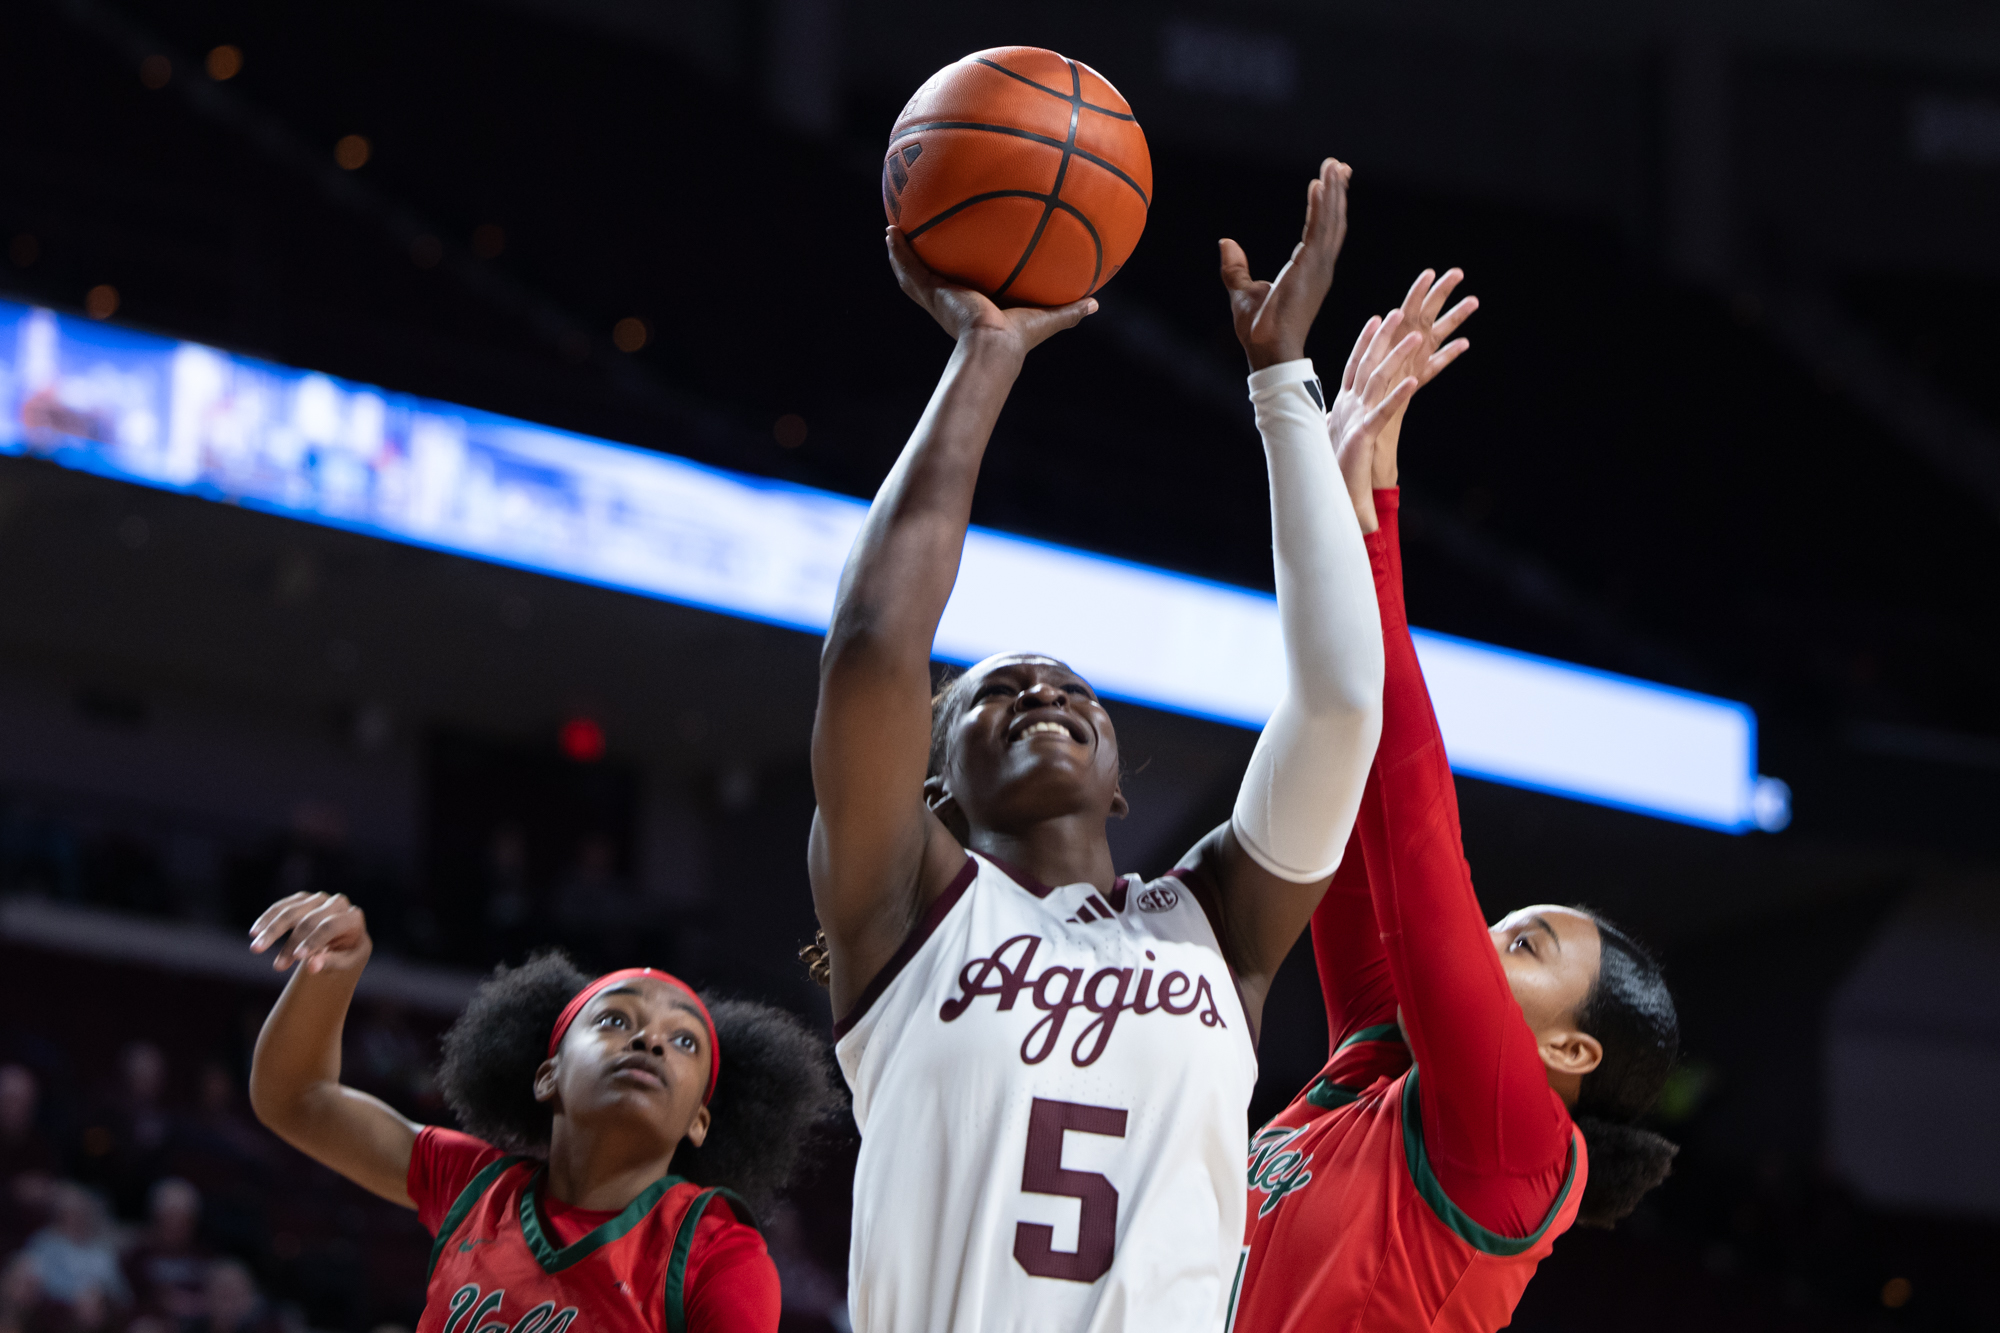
(1348, 1227)
(499, 1267)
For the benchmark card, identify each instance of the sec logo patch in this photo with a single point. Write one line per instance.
(1158, 898)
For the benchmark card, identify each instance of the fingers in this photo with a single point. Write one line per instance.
(1401, 361)
(1037, 325)
(1360, 346)
(1454, 317)
(1326, 207)
(912, 273)
(1378, 416)
(1413, 300)
(319, 930)
(280, 917)
(1434, 301)
(1381, 345)
(1443, 357)
(1235, 265)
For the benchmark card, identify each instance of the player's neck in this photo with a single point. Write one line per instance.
(601, 1170)
(1067, 850)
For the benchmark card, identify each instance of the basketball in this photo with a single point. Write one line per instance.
(1021, 173)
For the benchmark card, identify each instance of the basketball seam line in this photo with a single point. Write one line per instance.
(1088, 106)
(1055, 192)
(968, 202)
(1083, 153)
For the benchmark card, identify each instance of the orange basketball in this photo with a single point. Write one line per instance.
(1021, 173)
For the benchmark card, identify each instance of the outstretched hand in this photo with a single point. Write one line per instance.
(1368, 460)
(327, 932)
(1272, 318)
(1380, 377)
(960, 311)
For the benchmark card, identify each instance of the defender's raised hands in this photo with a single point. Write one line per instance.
(1272, 318)
(1368, 459)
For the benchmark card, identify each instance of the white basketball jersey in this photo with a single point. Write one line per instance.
(1053, 1090)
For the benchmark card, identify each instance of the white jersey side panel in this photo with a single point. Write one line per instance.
(1052, 1089)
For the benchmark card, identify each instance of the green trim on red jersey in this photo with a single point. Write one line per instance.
(1380, 1032)
(684, 1245)
(554, 1260)
(1449, 1213)
(467, 1200)
(1331, 1096)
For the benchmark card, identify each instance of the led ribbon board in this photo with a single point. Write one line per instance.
(184, 417)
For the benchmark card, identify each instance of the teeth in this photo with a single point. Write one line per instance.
(1052, 728)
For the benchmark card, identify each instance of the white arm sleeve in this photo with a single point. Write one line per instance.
(1303, 788)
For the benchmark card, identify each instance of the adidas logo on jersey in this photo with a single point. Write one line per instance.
(1276, 1168)
(1093, 908)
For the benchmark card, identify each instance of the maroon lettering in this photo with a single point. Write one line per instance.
(976, 977)
(1107, 1013)
(1008, 972)
(1058, 1011)
(1139, 1005)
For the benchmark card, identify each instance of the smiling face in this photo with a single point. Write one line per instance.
(1551, 956)
(637, 1055)
(1029, 742)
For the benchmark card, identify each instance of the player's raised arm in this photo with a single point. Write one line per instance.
(1271, 862)
(878, 853)
(295, 1086)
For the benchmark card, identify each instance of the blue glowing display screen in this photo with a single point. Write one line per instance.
(185, 417)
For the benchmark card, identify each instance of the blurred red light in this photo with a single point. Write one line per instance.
(582, 740)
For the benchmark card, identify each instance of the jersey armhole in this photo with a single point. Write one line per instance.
(677, 1261)
(925, 927)
(468, 1198)
(1331, 1096)
(1449, 1213)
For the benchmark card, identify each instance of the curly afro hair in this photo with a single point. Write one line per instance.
(776, 1086)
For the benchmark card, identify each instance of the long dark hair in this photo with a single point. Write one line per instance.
(775, 1087)
(1631, 1013)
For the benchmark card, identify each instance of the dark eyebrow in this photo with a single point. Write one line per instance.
(1549, 930)
(685, 1006)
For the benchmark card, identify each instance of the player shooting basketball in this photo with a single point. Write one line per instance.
(1377, 1203)
(1021, 1027)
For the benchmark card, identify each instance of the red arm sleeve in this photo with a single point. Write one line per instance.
(442, 1163)
(732, 1283)
(1347, 948)
(1497, 1135)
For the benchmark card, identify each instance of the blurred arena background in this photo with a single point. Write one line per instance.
(1730, 424)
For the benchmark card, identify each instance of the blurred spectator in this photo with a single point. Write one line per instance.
(168, 1269)
(511, 910)
(224, 1154)
(74, 1263)
(23, 1146)
(28, 1163)
(127, 1139)
(234, 1303)
(599, 915)
(23, 1307)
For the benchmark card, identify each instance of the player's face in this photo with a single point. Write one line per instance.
(1550, 955)
(638, 1054)
(1030, 743)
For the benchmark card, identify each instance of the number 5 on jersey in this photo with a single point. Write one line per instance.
(1042, 1173)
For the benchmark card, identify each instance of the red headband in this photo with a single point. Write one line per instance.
(590, 992)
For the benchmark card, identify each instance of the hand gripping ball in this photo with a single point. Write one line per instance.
(1021, 173)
